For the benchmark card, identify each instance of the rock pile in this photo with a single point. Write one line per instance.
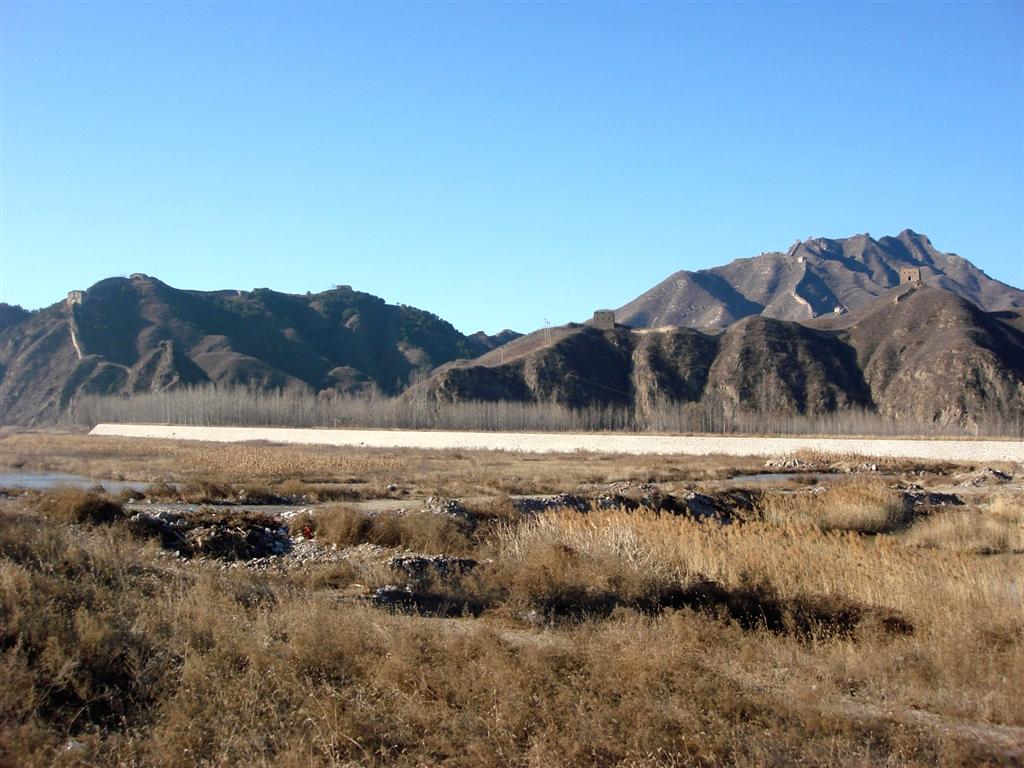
(987, 476)
(629, 495)
(533, 504)
(423, 568)
(789, 464)
(222, 536)
(918, 498)
(721, 507)
(439, 505)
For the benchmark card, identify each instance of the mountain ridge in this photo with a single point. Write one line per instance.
(813, 278)
(135, 334)
(777, 333)
(917, 352)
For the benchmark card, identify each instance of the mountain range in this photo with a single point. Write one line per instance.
(138, 334)
(813, 278)
(916, 353)
(823, 327)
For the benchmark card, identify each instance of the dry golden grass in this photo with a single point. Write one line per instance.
(339, 474)
(994, 528)
(844, 461)
(968, 624)
(75, 505)
(863, 506)
(145, 663)
(427, 532)
(323, 474)
(606, 638)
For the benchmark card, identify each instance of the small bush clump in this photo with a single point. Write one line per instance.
(76, 505)
(997, 529)
(427, 532)
(861, 506)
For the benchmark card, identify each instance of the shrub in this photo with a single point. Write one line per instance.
(421, 531)
(302, 524)
(331, 576)
(997, 529)
(860, 506)
(342, 525)
(75, 505)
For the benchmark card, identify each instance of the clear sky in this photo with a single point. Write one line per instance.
(497, 164)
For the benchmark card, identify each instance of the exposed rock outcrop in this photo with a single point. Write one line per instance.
(137, 334)
(917, 353)
(816, 277)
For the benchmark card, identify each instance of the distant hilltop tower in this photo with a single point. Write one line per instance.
(910, 276)
(75, 298)
(604, 320)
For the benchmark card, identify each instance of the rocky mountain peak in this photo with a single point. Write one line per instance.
(815, 276)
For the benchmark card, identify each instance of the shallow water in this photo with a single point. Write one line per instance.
(41, 481)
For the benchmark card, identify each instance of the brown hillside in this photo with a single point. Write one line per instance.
(933, 356)
(813, 278)
(141, 335)
(780, 367)
(920, 354)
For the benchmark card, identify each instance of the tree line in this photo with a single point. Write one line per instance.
(236, 406)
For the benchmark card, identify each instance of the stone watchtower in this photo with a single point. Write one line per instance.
(74, 298)
(910, 276)
(604, 320)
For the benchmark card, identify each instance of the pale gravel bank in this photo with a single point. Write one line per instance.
(981, 451)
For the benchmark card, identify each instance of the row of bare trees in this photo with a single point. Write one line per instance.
(216, 406)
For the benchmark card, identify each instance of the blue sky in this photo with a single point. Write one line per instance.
(498, 164)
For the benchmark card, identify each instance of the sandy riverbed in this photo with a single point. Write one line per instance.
(982, 451)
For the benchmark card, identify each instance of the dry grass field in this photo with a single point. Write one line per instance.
(349, 473)
(669, 612)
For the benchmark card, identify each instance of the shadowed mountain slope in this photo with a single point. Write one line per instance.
(937, 356)
(915, 353)
(139, 334)
(813, 331)
(814, 278)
